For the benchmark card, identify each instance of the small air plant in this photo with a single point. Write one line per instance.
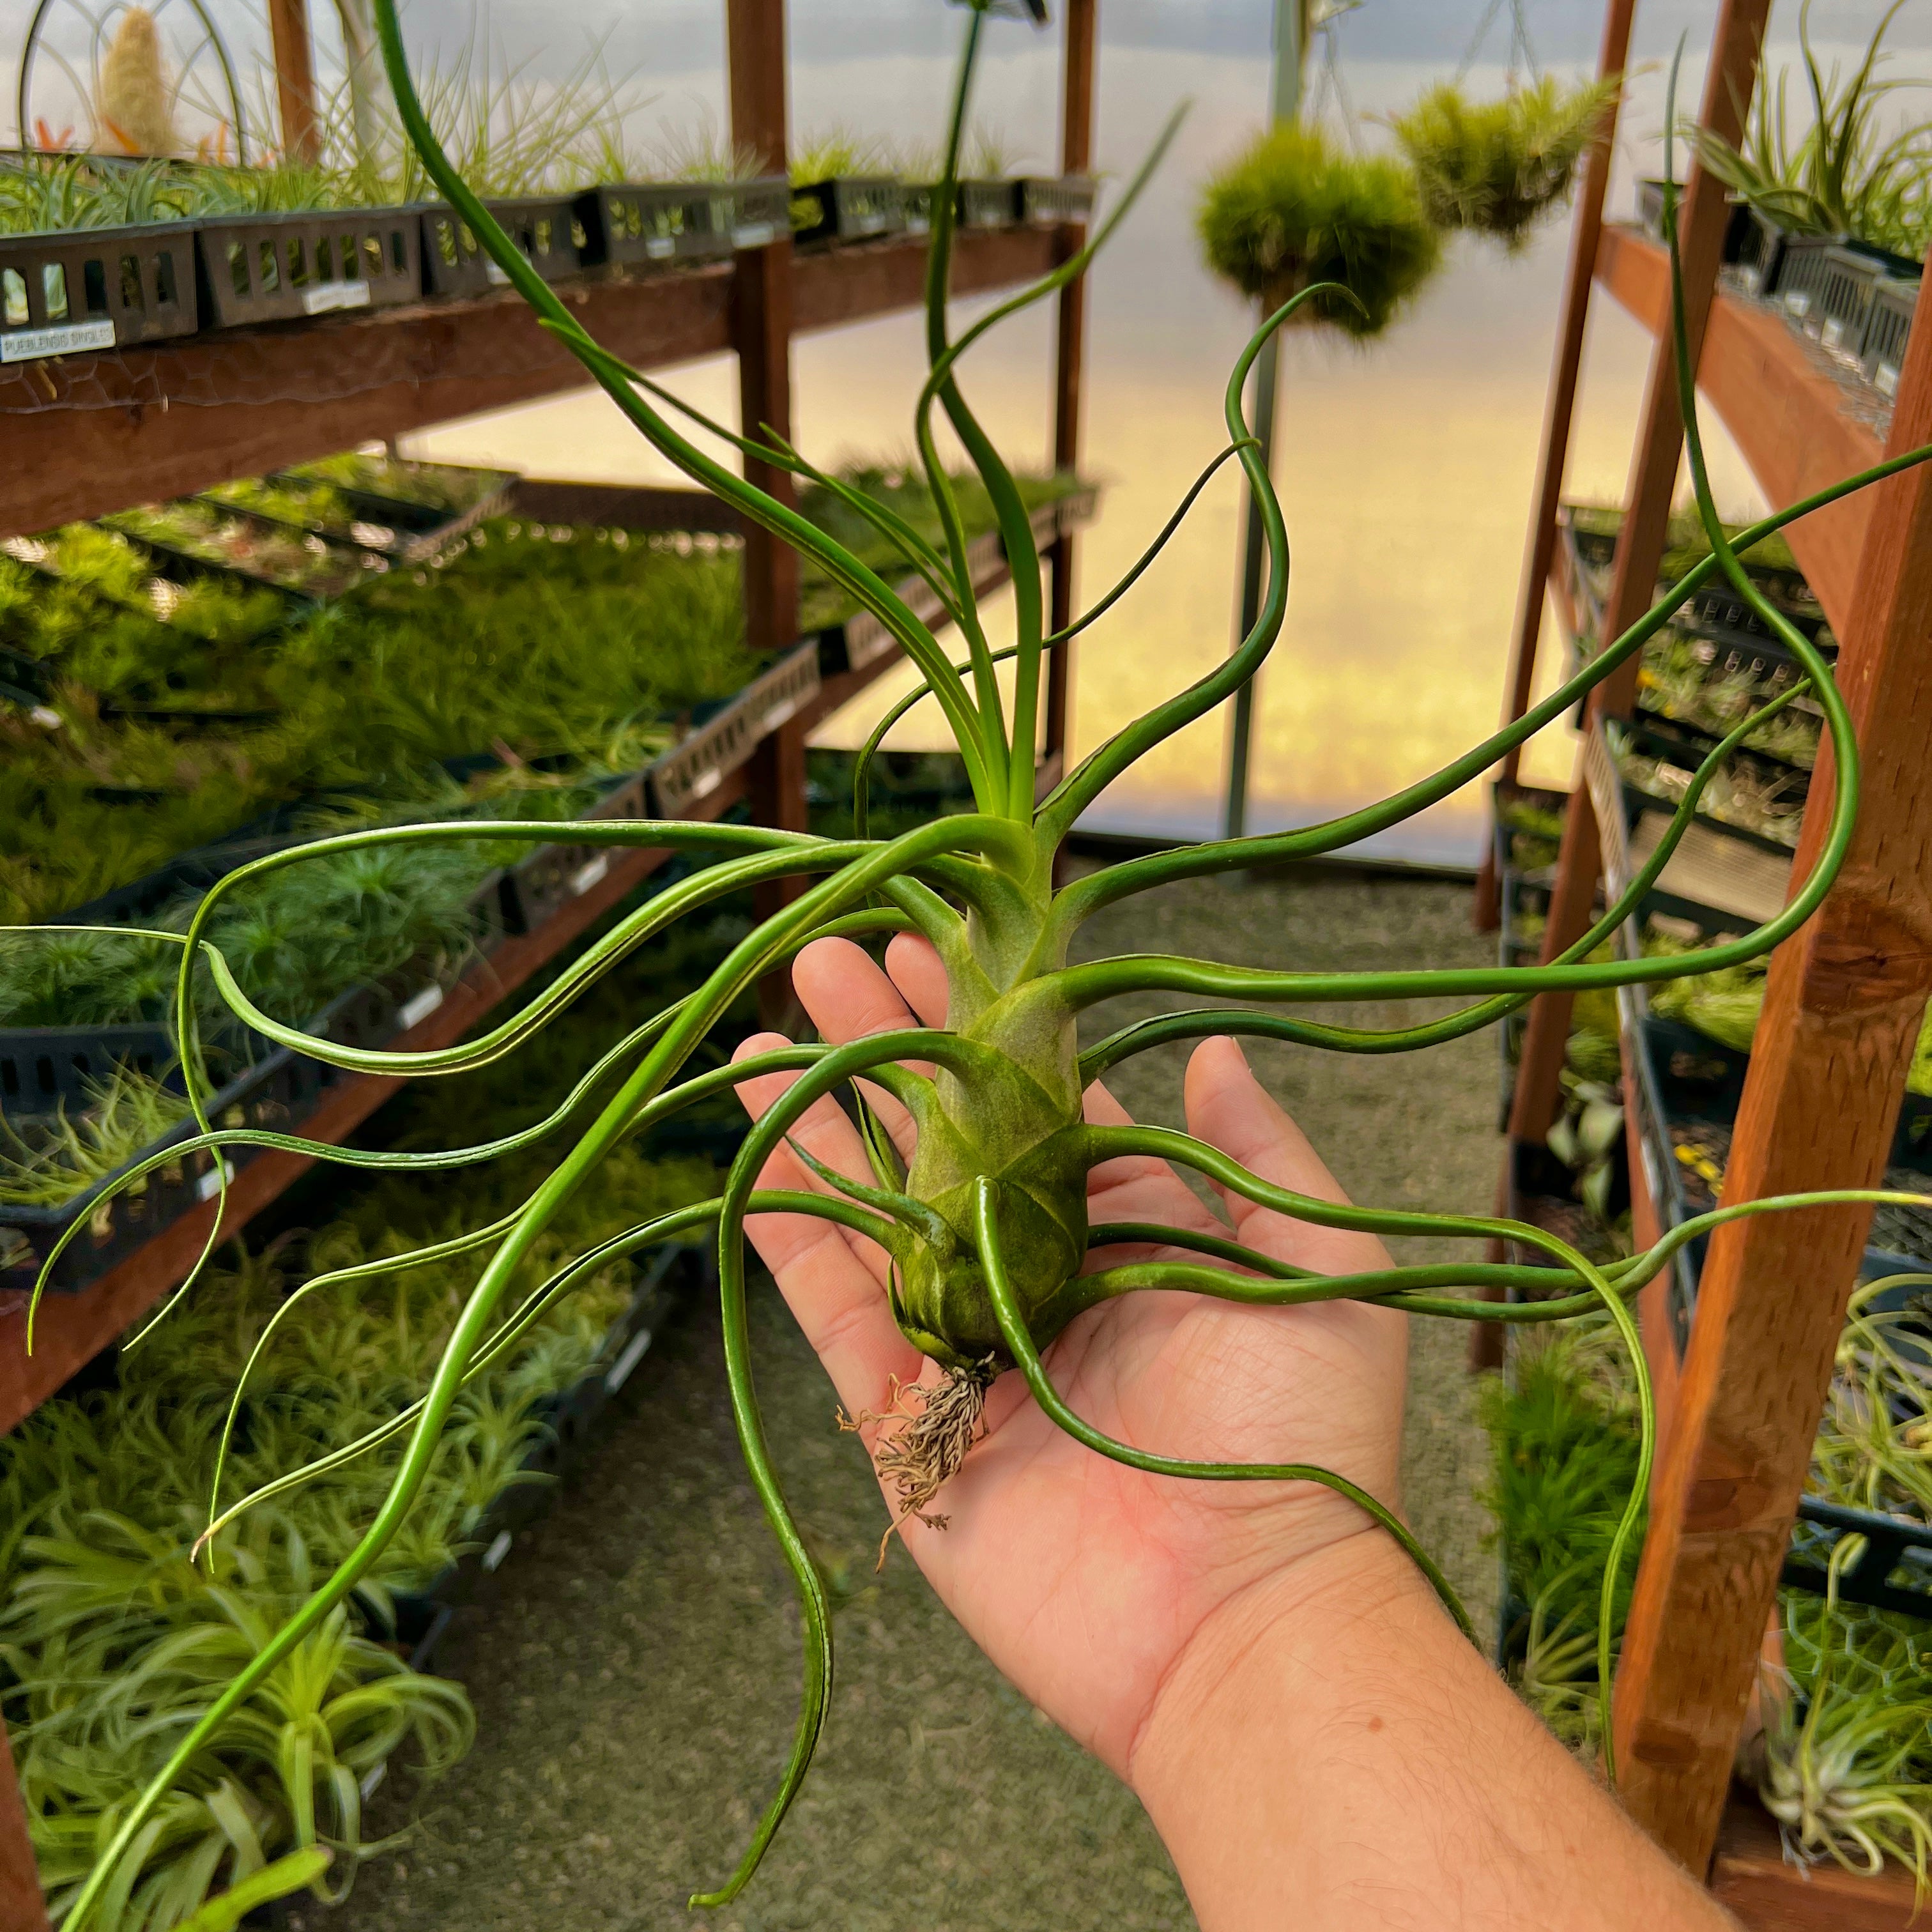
(46, 1166)
(984, 1215)
(1499, 167)
(1294, 214)
(1844, 1762)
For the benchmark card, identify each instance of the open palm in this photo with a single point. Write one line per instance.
(1084, 1581)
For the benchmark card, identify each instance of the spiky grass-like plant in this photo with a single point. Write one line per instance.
(986, 1225)
(1294, 213)
(1841, 175)
(1498, 166)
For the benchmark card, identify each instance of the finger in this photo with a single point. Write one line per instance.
(916, 969)
(849, 997)
(1228, 1107)
(837, 1299)
(826, 1133)
(1137, 1187)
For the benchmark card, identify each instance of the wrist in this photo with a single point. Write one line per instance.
(1286, 1649)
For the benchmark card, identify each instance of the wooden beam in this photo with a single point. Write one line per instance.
(1080, 31)
(1782, 400)
(1560, 407)
(1703, 218)
(1841, 1016)
(1558, 413)
(295, 79)
(85, 435)
(761, 329)
(23, 1906)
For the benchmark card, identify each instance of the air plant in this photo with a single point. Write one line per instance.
(984, 1217)
(1294, 213)
(1844, 1762)
(125, 1113)
(1839, 177)
(1499, 167)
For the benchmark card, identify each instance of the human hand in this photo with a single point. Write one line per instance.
(1087, 1582)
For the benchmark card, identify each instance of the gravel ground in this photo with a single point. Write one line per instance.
(634, 1671)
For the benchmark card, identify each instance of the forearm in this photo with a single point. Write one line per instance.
(1330, 1752)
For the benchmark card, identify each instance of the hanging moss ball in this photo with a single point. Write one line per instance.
(1496, 166)
(1294, 209)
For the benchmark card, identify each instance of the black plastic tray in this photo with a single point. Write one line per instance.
(652, 224)
(546, 227)
(258, 268)
(551, 876)
(695, 767)
(81, 291)
(848, 207)
(989, 204)
(761, 212)
(1048, 201)
(1888, 329)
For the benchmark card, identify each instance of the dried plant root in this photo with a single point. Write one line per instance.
(922, 1443)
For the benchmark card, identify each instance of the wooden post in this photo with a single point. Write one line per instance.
(1558, 413)
(1828, 1067)
(295, 79)
(22, 1907)
(761, 322)
(1076, 157)
(1702, 219)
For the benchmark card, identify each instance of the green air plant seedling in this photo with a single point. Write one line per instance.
(987, 1228)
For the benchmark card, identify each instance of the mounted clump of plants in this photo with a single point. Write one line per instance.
(978, 1213)
(1296, 213)
(1497, 167)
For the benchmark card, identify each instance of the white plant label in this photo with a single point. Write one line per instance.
(334, 295)
(709, 783)
(209, 1185)
(493, 1556)
(593, 873)
(619, 1371)
(754, 234)
(29, 345)
(413, 1011)
(778, 713)
(659, 248)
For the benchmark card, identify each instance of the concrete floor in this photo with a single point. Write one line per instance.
(635, 1672)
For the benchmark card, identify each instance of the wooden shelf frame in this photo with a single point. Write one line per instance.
(1841, 1013)
(84, 439)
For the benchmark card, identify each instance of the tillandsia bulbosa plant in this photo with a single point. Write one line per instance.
(992, 1252)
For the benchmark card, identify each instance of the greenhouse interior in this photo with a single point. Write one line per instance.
(835, 1222)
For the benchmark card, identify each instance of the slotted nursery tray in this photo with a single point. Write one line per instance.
(414, 1620)
(258, 268)
(651, 224)
(695, 767)
(44, 1071)
(193, 537)
(546, 228)
(551, 876)
(848, 207)
(857, 640)
(404, 531)
(72, 292)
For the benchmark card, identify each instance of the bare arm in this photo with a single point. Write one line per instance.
(1331, 1753)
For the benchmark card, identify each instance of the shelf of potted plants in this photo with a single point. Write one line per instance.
(1819, 1099)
